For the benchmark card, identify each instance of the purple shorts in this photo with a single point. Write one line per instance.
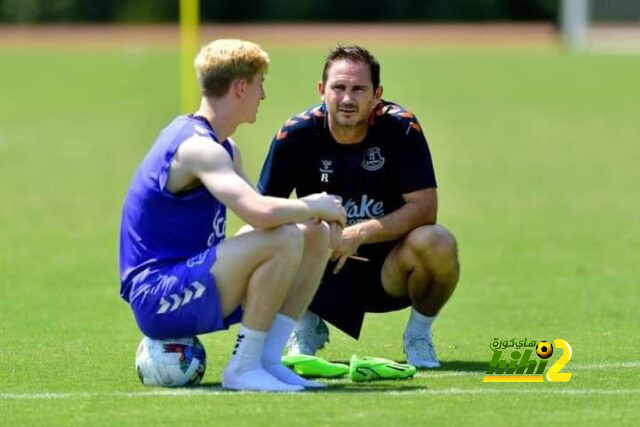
(180, 300)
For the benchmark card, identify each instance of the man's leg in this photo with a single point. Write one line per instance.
(310, 332)
(314, 260)
(310, 269)
(303, 288)
(256, 269)
(424, 266)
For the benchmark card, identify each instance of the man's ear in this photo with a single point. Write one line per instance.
(239, 87)
(321, 89)
(377, 94)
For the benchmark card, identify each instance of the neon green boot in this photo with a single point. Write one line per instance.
(376, 368)
(314, 367)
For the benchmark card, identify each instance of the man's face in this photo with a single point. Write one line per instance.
(348, 93)
(254, 93)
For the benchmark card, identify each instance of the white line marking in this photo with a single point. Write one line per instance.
(537, 391)
(217, 392)
(147, 393)
(631, 364)
(447, 374)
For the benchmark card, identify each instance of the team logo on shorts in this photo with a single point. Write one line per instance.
(372, 160)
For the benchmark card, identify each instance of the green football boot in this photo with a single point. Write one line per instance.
(314, 367)
(377, 368)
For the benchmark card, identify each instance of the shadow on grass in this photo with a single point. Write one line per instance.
(381, 386)
(384, 386)
(462, 366)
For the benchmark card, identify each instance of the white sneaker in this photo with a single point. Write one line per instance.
(420, 351)
(309, 335)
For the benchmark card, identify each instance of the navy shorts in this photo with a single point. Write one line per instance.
(344, 298)
(180, 300)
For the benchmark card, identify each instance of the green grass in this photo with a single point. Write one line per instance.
(536, 155)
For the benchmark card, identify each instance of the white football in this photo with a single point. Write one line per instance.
(173, 362)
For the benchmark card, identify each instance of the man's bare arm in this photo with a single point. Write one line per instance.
(210, 163)
(420, 208)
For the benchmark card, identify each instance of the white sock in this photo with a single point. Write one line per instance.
(277, 337)
(419, 324)
(245, 370)
(248, 350)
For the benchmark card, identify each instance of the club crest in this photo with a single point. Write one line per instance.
(372, 159)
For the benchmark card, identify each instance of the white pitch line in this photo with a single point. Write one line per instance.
(426, 391)
(537, 391)
(159, 392)
(632, 364)
(447, 374)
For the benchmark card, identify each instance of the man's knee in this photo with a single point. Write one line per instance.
(316, 235)
(433, 243)
(286, 240)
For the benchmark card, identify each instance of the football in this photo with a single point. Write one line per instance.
(544, 349)
(171, 363)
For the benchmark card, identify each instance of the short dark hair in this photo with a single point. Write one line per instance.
(355, 54)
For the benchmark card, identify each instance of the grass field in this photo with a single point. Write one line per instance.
(537, 159)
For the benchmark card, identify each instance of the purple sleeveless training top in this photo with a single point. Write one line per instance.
(159, 229)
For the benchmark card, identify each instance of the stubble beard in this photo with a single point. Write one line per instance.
(340, 123)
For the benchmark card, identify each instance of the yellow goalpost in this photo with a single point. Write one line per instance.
(189, 44)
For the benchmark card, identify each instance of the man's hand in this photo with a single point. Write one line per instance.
(348, 244)
(335, 235)
(326, 207)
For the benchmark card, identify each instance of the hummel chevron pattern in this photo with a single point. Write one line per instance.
(187, 296)
(177, 300)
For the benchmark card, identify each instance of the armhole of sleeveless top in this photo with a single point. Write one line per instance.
(163, 173)
(163, 177)
(228, 143)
